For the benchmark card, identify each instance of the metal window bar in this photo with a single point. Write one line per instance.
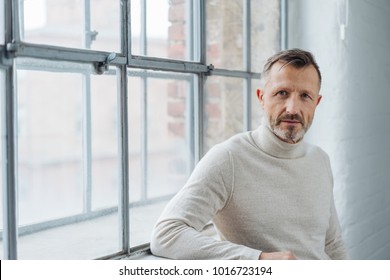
(87, 130)
(124, 195)
(283, 24)
(199, 83)
(247, 64)
(9, 175)
(144, 105)
(190, 55)
(124, 200)
(9, 148)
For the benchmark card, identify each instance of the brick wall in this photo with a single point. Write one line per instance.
(177, 49)
(223, 98)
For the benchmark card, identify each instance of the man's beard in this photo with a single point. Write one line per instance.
(291, 134)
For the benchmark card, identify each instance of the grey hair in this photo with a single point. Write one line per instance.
(296, 57)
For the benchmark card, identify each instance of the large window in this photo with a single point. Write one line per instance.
(107, 106)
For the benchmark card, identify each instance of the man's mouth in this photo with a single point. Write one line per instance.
(291, 121)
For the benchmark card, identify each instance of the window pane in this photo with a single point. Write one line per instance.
(224, 33)
(169, 155)
(134, 120)
(166, 29)
(257, 111)
(50, 145)
(167, 146)
(62, 23)
(50, 166)
(105, 157)
(105, 20)
(223, 109)
(265, 36)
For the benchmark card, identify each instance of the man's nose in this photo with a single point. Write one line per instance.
(292, 106)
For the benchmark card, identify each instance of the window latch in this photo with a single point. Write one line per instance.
(210, 69)
(101, 67)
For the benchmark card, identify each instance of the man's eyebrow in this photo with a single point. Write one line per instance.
(289, 88)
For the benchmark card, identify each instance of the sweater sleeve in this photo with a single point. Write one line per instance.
(334, 245)
(177, 233)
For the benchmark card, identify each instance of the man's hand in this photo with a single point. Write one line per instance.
(277, 256)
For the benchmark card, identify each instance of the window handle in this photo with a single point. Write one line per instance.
(101, 67)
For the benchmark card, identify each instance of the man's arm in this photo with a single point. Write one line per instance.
(288, 255)
(334, 245)
(177, 233)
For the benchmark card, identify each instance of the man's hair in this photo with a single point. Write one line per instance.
(295, 57)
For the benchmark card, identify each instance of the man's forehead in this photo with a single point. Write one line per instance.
(282, 70)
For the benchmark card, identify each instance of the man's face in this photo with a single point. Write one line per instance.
(289, 99)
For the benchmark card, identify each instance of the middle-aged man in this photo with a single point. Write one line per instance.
(268, 193)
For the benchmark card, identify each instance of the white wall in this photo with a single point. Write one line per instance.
(352, 122)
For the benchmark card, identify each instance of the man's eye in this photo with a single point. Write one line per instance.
(282, 93)
(306, 96)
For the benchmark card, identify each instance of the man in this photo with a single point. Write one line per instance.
(268, 193)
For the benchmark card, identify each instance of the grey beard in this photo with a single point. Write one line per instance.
(287, 135)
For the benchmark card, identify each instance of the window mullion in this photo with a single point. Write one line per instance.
(87, 143)
(199, 90)
(143, 41)
(144, 137)
(10, 224)
(17, 19)
(123, 131)
(9, 147)
(124, 217)
(191, 12)
(87, 24)
(283, 24)
(144, 105)
(87, 130)
(247, 64)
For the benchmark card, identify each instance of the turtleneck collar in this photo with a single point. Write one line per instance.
(269, 143)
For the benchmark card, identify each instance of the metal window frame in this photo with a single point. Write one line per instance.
(283, 7)
(123, 61)
(9, 148)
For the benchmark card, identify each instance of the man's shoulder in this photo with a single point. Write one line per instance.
(236, 141)
(229, 147)
(317, 151)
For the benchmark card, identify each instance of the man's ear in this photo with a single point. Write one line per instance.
(319, 99)
(260, 94)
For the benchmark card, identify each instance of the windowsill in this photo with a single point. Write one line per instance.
(88, 239)
(146, 254)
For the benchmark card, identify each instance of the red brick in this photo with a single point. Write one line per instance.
(213, 111)
(177, 12)
(176, 91)
(176, 51)
(176, 32)
(176, 129)
(176, 109)
(172, 89)
(173, 2)
(213, 90)
(213, 52)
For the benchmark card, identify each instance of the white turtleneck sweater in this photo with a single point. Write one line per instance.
(262, 194)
